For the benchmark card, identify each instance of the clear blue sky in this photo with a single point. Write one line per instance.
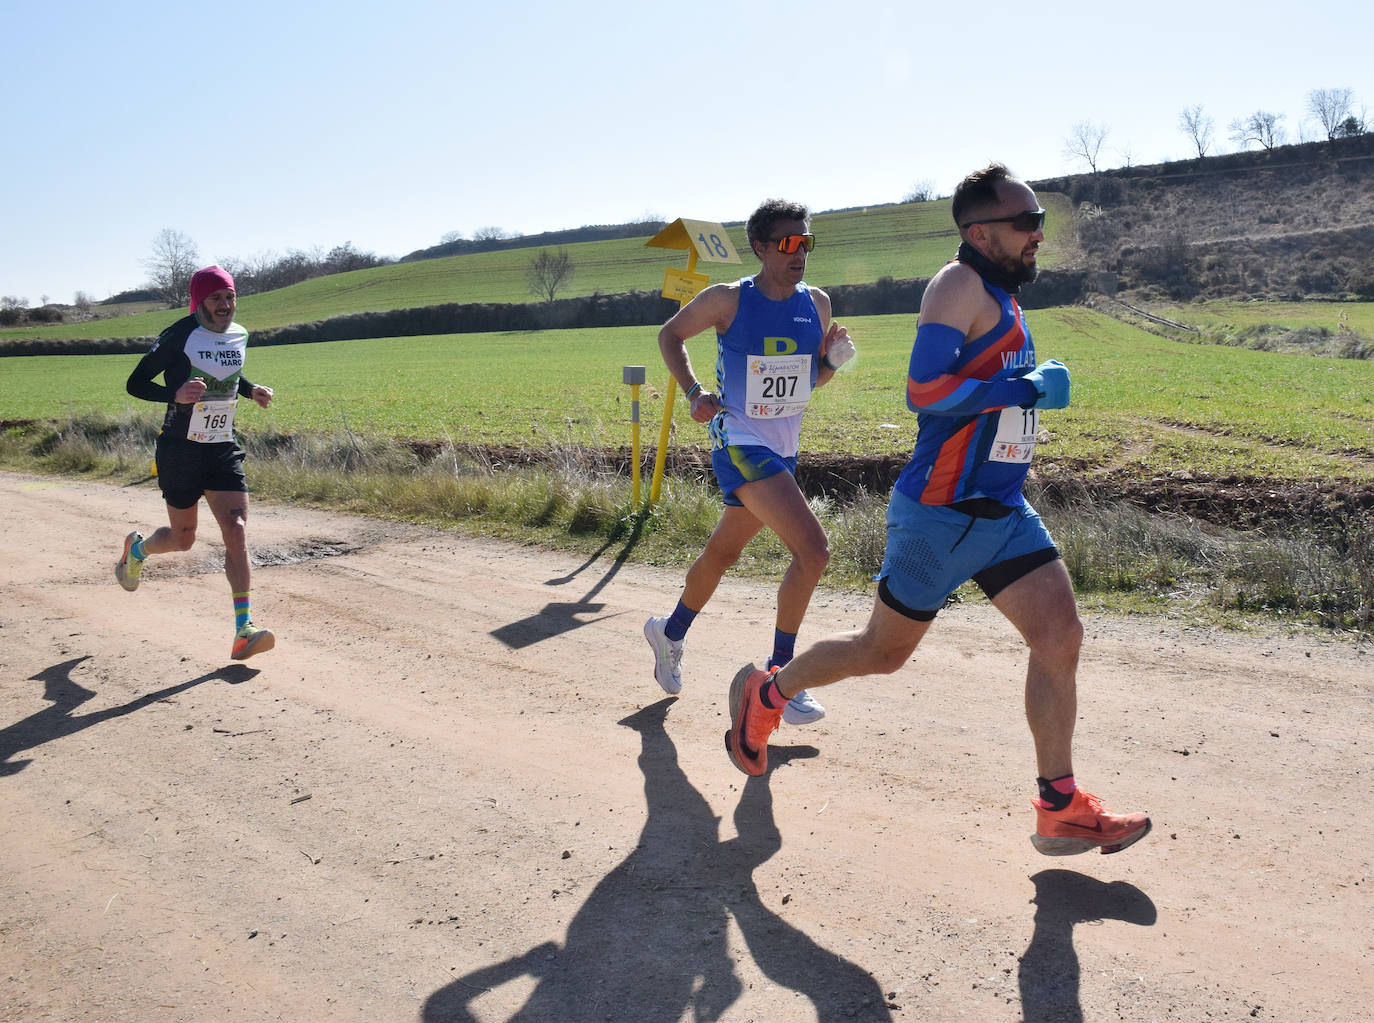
(259, 128)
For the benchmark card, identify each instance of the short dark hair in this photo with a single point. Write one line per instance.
(978, 192)
(770, 211)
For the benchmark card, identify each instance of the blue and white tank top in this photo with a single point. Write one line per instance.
(766, 368)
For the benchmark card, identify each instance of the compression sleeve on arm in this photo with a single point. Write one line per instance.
(932, 389)
(245, 386)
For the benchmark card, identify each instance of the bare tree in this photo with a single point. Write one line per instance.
(922, 191)
(489, 234)
(1330, 107)
(1084, 142)
(450, 237)
(171, 265)
(1198, 127)
(547, 273)
(1262, 128)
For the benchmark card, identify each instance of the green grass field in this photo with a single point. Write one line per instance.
(1142, 404)
(853, 247)
(1356, 316)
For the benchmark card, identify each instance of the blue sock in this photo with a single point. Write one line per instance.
(784, 648)
(136, 550)
(679, 622)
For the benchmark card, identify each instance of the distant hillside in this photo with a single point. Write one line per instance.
(590, 233)
(1292, 223)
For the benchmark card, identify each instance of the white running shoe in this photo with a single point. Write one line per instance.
(667, 656)
(802, 709)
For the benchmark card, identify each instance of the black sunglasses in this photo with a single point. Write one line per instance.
(1029, 221)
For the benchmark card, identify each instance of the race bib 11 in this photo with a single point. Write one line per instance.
(1015, 440)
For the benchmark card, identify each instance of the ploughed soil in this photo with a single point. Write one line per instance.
(454, 792)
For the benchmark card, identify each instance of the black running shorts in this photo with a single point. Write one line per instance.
(186, 470)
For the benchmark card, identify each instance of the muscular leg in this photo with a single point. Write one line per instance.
(882, 646)
(779, 504)
(1041, 606)
(230, 508)
(178, 535)
(737, 526)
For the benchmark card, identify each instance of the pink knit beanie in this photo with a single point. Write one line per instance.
(208, 281)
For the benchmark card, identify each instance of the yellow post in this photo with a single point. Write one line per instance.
(711, 242)
(669, 400)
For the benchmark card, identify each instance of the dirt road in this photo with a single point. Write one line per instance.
(454, 792)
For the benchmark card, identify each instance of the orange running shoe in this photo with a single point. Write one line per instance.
(251, 640)
(751, 723)
(1085, 825)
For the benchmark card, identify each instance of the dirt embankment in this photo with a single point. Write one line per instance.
(1231, 502)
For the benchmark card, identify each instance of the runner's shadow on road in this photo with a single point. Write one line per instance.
(1049, 974)
(59, 721)
(651, 943)
(556, 618)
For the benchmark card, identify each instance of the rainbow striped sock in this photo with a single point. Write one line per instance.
(241, 615)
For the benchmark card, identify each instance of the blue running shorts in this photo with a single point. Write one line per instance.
(735, 465)
(932, 550)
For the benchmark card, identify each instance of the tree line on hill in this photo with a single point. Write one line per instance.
(174, 258)
(493, 239)
(1330, 113)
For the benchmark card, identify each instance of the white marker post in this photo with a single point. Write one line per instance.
(634, 376)
(709, 241)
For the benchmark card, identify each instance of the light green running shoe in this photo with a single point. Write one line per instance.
(251, 640)
(129, 568)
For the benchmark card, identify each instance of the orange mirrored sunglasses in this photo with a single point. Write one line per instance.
(790, 243)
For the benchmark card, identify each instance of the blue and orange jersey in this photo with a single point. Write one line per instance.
(958, 390)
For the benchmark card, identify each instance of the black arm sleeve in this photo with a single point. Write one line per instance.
(141, 383)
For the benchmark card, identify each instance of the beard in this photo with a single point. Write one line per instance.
(1020, 271)
(1016, 267)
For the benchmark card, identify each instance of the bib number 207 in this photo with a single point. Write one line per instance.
(776, 388)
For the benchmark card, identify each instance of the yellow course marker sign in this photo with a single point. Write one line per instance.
(703, 239)
(682, 285)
